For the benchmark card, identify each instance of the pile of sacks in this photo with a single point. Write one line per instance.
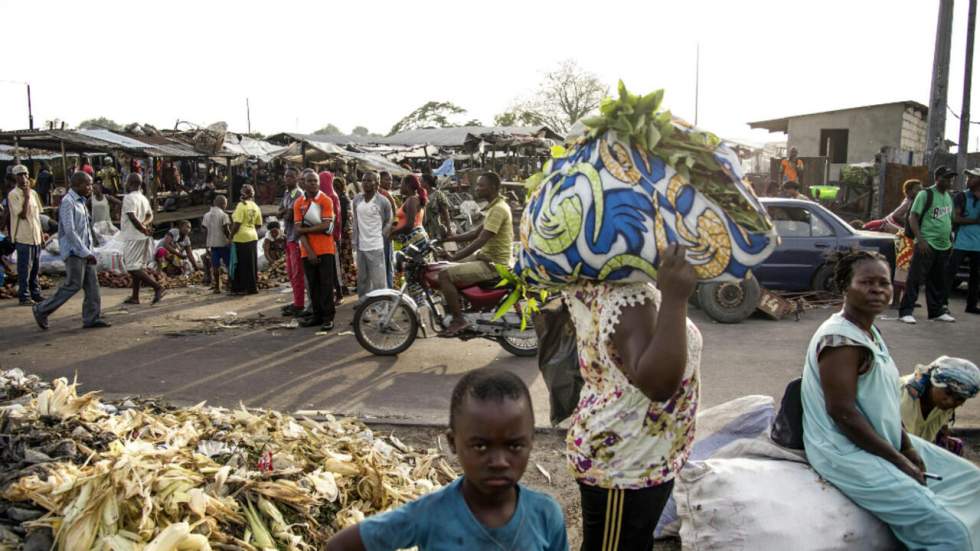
(80, 473)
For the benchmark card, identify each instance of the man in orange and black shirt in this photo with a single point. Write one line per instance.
(790, 169)
(314, 218)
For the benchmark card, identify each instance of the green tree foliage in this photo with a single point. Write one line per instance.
(515, 117)
(101, 122)
(328, 129)
(432, 113)
(360, 131)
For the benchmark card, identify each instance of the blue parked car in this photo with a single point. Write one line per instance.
(808, 232)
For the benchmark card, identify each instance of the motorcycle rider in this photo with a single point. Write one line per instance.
(489, 243)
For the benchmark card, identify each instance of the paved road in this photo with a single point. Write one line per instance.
(168, 350)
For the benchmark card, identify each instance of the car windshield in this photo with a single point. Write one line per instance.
(795, 220)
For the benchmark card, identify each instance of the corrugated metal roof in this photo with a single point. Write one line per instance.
(457, 136)
(285, 138)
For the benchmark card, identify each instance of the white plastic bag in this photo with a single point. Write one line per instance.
(762, 504)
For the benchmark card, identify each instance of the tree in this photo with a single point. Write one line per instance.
(564, 96)
(432, 113)
(101, 122)
(360, 131)
(328, 129)
(515, 117)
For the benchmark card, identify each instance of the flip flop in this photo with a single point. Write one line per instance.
(158, 296)
(131, 301)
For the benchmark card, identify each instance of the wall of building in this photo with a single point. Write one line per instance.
(869, 129)
(914, 130)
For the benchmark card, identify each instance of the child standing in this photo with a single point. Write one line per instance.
(491, 431)
(218, 226)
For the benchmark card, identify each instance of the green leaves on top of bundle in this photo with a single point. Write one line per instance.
(637, 119)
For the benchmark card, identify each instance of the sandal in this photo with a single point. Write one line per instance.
(131, 300)
(158, 295)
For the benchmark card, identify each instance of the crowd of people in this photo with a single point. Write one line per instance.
(881, 439)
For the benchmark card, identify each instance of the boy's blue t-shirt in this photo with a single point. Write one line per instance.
(441, 521)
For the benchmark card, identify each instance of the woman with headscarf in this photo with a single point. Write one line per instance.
(410, 215)
(852, 423)
(244, 252)
(326, 186)
(931, 395)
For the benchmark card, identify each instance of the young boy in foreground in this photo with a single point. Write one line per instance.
(491, 431)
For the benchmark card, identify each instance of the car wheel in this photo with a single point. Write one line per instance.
(729, 301)
(823, 280)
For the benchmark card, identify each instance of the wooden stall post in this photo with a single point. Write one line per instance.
(64, 163)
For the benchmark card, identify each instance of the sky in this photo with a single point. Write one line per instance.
(368, 63)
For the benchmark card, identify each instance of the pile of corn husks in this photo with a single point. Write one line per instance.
(88, 474)
(273, 276)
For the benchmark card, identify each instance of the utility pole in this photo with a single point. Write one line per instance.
(697, 80)
(30, 112)
(936, 134)
(964, 141)
(248, 116)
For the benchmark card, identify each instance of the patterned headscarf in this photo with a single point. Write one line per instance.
(962, 377)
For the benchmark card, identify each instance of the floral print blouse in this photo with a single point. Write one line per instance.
(619, 438)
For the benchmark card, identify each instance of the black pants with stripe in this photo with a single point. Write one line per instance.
(621, 520)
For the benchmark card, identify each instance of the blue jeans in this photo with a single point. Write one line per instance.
(389, 264)
(79, 276)
(28, 265)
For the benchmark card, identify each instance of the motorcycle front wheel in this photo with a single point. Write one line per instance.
(391, 340)
(523, 347)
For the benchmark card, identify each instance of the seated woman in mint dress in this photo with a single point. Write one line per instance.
(852, 424)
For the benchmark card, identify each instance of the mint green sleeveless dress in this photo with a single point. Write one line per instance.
(945, 515)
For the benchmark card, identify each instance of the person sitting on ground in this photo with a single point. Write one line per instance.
(852, 423)
(217, 224)
(491, 431)
(931, 395)
(489, 243)
(791, 190)
(136, 234)
(174, 250)
(274, 246)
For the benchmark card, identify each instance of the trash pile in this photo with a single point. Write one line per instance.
(274, 276)
(80, 473)
(9, 288)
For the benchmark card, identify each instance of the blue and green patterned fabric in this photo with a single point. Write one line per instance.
(606, 209)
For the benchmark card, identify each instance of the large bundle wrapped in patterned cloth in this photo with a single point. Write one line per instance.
(635, 183)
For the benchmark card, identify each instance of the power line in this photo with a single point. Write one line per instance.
(951, 112)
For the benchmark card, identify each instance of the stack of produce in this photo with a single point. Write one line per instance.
(272, 277)
(637, 181)
(135, 476)
(9, 288)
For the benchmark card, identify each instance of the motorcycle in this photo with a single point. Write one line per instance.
(388, 321)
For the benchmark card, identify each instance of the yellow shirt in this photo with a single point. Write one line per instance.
(249, 216)
(498, 221)
(25, 230)
(911, 408)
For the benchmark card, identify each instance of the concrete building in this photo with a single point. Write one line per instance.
(854, 135)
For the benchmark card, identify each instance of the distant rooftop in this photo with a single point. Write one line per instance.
(782, 124)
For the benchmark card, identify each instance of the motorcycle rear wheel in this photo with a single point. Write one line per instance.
(390, 341)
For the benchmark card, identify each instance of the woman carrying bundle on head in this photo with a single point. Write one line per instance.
(852, 423)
